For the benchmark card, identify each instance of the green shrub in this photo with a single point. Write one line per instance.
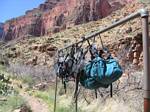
(47, 97)
(12, 102)
(5, 88)
(144, 1)
(28, 80)
(69, 109)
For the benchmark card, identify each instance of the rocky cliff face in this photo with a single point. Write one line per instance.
(55, 15)
(40, 51)
(1, 30)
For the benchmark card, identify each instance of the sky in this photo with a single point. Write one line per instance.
(14, 8)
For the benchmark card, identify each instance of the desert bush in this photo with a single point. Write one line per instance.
(48, 97)
(31, 74)
(5, 88)
(144, 1)
(11, 103)
(3, 60)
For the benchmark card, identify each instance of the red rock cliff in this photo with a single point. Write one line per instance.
(55, 15)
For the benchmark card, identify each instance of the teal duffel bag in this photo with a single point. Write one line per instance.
(91, 83)
(100, 73)
(113, 71)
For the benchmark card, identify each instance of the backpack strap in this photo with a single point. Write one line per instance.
(101, 42)
(111, 90)
(76, 100)
(77, 84)
(96, 93)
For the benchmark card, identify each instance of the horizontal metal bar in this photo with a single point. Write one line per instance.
(141, 12)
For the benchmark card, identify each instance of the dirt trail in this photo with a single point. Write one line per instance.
(36, 104)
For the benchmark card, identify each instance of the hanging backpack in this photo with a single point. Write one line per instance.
(100, 73)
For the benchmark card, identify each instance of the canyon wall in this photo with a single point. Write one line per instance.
(56, 15)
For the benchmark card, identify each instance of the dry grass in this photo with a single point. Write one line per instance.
(31, 75)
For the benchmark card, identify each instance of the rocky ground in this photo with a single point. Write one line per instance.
(36, 104)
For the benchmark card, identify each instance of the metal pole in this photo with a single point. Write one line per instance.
(146, 53)
(55, 94)
(94, 34)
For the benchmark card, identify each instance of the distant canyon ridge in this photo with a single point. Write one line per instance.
(55, 15)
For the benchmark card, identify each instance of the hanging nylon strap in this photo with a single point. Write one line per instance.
(111, 90)
(103, 47)
(96, 93)
(90, 49)
(101, 42)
